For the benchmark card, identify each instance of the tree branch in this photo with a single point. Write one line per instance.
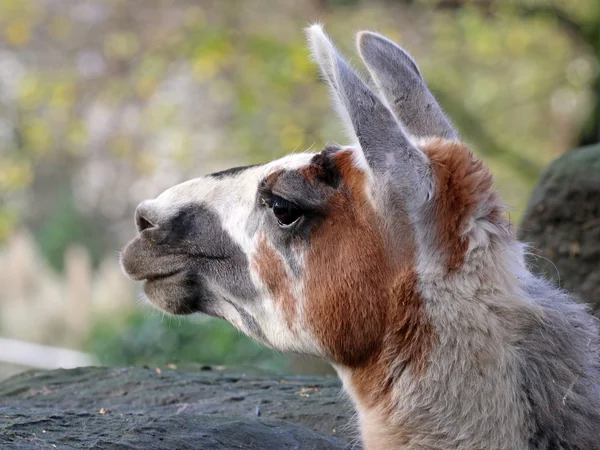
(486, 144)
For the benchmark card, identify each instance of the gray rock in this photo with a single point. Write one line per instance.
(562, 224)
(140, 408)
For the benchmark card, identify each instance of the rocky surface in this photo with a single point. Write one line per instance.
(562, 224)
(146, 408)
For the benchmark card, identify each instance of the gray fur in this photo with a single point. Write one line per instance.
(250, 323)
(181, 254)
(389, 152)
(311, 197)
(561, 371)
(516, 362)
(400, 81)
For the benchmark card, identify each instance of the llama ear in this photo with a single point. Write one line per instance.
(398, 77)
(388, 150)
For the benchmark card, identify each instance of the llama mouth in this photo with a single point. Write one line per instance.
(143, 260)
(134, 273)
(178, 292)
(159, 276)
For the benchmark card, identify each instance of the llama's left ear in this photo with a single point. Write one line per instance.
(398, 77)
(389, 152)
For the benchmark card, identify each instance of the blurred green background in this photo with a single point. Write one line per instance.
(104, 103)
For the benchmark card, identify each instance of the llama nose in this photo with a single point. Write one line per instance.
(146, 216)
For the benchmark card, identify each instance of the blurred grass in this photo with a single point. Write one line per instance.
(153, 339)
(156, 340)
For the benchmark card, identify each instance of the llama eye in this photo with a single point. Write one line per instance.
(285, 211)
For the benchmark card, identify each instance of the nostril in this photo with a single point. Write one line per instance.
(143, 219)
(144, 224)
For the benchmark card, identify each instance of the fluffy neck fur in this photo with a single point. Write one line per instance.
(496, 344)
(472, 369)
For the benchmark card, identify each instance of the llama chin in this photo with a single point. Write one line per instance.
(392, 259)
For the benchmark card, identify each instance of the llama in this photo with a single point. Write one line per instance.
(392, 259)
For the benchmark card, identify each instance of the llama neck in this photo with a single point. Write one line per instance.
(432, 379)
(468, 385)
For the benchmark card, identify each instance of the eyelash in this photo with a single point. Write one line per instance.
(286, 212)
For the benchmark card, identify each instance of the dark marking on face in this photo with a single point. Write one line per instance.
(197, 230)
(180, 258)
(309, 188)
(322, 167)
(231, 172)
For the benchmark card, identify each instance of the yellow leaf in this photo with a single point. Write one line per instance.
(8, 223)
(15, 175)
(63, 95)
(204, 68)
(30, 92)
(145, 86)
(517, 40)
(38, 136)
(77, 137)
(121, 146)
(121, 45)
(18, 32)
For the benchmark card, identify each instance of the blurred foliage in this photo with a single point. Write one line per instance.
(130, 97)
(161, 340)
(65, 226)
(104, 103)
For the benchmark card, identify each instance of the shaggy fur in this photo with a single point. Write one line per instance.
(392, 259)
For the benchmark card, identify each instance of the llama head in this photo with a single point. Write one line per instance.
(302, 253)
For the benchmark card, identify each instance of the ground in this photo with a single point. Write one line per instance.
(146, 408)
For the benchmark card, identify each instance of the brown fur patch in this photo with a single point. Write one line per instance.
(366, 314)
(270, 267)
(347, 267)
(311, 173)
(407, 343)
(272, 178)
(462, 182)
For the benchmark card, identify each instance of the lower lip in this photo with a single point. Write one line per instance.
(161, 276)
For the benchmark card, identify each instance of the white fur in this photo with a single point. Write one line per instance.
(233, 200)
(324, 54)
(488, 316)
